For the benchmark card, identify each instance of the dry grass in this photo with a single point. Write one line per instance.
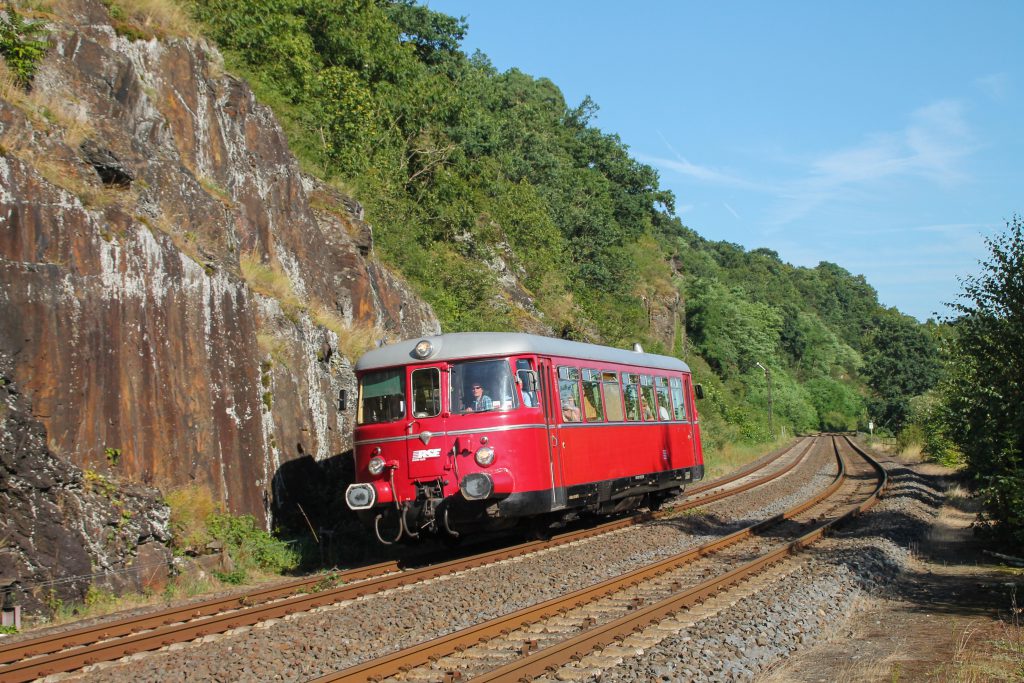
(269, 279)
(731, 457)
(52, 111)
(213, 189)
(272, 345)
(145, 19)
(190, 507)
(354, 339)
(996, 655)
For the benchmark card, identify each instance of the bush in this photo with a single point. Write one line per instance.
(23, 44)
(249, 546)
(190, 508)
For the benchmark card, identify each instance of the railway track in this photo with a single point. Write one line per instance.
(71, 650)
(538, 640)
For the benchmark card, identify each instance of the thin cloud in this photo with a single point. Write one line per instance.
(996, 86)
(683, 166)
(932, 146)
(731, 210)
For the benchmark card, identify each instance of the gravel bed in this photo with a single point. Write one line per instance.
(331, 638)
(760, 631)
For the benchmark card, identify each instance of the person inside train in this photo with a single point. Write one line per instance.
(480, 401)
(570, 411)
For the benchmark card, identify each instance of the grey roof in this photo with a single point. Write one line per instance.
(458, 345)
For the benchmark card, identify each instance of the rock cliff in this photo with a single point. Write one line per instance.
(64, 530)
(172, 287)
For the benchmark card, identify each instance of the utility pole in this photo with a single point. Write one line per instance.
(768, 380)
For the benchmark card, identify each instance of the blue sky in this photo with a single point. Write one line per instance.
(885, 137)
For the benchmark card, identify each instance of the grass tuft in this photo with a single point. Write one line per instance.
(190, 507)
(354, 339)
(148, 19)
(270, 280)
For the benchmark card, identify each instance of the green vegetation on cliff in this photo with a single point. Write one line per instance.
(508, 209)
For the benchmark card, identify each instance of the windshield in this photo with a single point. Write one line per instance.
(381, 396)
(481, 386)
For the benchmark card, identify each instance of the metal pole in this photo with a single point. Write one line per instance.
(768, 380)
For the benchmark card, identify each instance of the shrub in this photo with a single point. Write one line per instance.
(190, 508)
(249, 546)
(22, 44)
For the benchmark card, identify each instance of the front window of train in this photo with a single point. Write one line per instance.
(482, 386)
(381, 397)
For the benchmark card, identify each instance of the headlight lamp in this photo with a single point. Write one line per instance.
(484, 456)
(423, 349)
(376, 465)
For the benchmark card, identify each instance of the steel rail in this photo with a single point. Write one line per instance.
(55, 642)
(550, 659)
(34, 658)
(418, 655)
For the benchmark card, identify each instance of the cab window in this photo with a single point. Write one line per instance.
(426, 392)
(531, 398)
(482, 386)
(381, 396)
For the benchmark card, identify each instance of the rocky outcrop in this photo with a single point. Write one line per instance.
(64, 530)
(135, 183)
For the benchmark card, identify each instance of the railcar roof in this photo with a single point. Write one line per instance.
(461, 345)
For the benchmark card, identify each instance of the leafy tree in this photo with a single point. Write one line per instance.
(23, 43)
(984, 393)
(901, 361)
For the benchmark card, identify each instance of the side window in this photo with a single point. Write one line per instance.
(569, 393)
(678, 404)
(664, 404)
(531, 397)
(647, 397)
(381, 396)
(426, 392)
(592, 408)
(631, 395)
(612, 396)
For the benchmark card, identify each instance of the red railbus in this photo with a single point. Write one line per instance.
(464, 431)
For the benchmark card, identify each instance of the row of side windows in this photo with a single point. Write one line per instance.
(603, 395)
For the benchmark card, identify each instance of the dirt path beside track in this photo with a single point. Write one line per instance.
(953, 615)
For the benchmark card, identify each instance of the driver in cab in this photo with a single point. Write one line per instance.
(480, 401)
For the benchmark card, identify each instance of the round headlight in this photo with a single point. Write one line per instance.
(485, 456)
(376, 465)
(476, 486)
(423, 349)
(360, 496)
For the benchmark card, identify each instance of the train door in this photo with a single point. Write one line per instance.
(698, 453)
(551, 405)
(426, 426)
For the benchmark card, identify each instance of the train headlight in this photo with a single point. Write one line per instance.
(485, 456)
(423, 349)
(360, 496)
(476, 486)
(376, 465)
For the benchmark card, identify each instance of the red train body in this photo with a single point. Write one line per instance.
(468, 430)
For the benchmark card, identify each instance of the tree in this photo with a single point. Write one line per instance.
(901, 360)
(984, 390)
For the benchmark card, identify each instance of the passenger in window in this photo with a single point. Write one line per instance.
(645, 408)
(480, 401)
(570, 411)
